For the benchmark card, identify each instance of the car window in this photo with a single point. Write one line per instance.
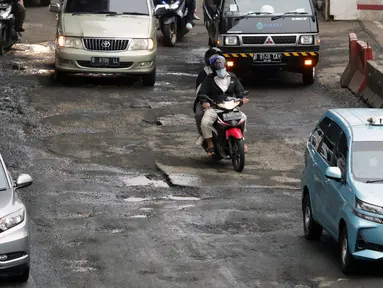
(340, 155)
(317, 135)
(117, 6)
(367, 160)
(277, 6)
(329, 141)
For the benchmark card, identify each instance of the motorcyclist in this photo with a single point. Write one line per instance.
(218, 86)
(197, 108)
(19, 12)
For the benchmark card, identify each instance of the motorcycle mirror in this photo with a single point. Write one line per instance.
(246, 93)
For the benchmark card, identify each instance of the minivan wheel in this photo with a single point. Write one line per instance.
(312, 230)
(150, 79)
(347, 261)
(23, 274)
(61, 76)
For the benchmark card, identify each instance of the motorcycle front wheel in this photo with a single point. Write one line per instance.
(170, 34)
(238, 154)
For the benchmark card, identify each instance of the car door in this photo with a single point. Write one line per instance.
(325, 157)
(335, 189)
(311, 165)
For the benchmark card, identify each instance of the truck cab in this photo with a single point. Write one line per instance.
(272, 34)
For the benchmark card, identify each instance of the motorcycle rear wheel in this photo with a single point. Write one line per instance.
(238, 154)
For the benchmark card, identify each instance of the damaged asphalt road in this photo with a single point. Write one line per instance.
(122, 196)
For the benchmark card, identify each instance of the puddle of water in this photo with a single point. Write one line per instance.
(143, 181)
(135, 200)
(80, 266)
(138, 216)
(178, 74)
(146, 209)
(184, 206)
(182, 198)
(115, 231)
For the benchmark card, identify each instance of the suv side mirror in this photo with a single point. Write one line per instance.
(334, 173)
(23, 180)
(55, 8)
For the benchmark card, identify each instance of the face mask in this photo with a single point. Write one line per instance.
(221, 73)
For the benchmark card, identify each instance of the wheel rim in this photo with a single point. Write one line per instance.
(344, 250)
(307, 217)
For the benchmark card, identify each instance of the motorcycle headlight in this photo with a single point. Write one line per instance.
(11, 220)
(231, 40)
(306, 39)
(141, 44)
(69, 42)
(175, 5)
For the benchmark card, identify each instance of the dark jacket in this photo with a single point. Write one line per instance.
(210, 89)
(201, 77)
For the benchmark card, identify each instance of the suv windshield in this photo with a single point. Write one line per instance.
(367, 160)
(107, 6)
(277, 6)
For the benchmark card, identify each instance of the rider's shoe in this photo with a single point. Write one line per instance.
(189, 26)
(195, 17)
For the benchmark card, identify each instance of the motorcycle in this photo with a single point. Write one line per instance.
(172, 20)
(228, 139)
(8, 35)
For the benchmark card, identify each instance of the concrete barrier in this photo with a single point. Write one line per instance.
(372, 94)
(359, 79)
(351, 66)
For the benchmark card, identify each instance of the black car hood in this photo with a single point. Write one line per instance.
(264, 25)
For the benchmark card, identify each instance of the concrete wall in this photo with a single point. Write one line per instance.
(356, 9)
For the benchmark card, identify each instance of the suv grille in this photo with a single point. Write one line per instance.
(105, 44)
(254, 39)
(284, 39)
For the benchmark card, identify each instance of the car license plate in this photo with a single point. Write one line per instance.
(267, 57)
(232, 116)
(105, 61)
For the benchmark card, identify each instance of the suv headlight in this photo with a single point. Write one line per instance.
(69, 42)
(359, 204)
(306, 39)
(11, 220)
(231, 40)
(141, 44)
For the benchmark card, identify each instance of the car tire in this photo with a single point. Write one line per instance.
(150, 79)
(23, 275)
(308, 76)
(347, 261)
(61, 76)
(312, 230)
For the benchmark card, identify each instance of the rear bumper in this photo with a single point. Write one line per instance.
(294, 61)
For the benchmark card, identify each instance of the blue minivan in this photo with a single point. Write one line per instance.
(342, 183)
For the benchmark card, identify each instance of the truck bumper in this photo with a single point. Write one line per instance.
(290, 61)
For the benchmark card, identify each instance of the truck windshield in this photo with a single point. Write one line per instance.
(107, 7)
(273, 7)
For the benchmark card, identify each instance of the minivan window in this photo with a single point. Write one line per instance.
(279, 6)
(330, 139)
(367, 160)
(105, 6)
(317, 135)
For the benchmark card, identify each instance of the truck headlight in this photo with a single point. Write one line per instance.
(306, 39)
(141, 44)
(69, 42)
(231, 40)
(11, 220)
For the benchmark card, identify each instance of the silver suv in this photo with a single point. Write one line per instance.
(106, 36)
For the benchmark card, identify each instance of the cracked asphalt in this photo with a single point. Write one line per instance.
(121, 201)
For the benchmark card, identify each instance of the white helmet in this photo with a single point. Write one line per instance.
(267, 9)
